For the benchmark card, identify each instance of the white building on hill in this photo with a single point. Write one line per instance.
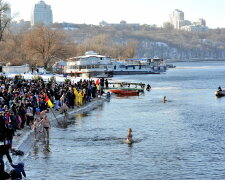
(178, 22)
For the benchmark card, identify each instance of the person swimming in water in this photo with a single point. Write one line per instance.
(148, 87)
(164, 99)
(129, 136)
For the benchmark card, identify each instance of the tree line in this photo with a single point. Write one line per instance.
(43, 45)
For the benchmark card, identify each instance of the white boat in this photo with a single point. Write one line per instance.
(89, 65)
(158, 65)
(139, 66)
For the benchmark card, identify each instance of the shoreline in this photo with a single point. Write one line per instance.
(24, 138)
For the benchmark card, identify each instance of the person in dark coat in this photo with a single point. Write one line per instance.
(18, 171)
(4, 150)
(2, 127)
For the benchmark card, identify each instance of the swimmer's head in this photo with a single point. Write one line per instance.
(129, 130)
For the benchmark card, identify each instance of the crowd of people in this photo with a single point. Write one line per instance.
(26, 102)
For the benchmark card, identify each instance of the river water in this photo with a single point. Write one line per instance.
(183, 138)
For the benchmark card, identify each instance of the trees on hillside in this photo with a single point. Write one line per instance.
(44, 45)
(11, 50)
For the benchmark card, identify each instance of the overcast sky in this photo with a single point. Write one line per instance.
(132, 11)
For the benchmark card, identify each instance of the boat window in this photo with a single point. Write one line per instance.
(126, 67)
(115, 67)
(139, 66)
(133, 67)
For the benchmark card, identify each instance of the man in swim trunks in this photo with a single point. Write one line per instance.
(46, 125)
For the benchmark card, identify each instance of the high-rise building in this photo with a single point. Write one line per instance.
(41, 14)
(177, 18)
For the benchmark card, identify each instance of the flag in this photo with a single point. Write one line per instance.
(48, 101)
(97, 82)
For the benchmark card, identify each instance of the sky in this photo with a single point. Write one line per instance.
(132, 11)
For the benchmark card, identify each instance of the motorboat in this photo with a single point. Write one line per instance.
(127, 86)
(125, 92)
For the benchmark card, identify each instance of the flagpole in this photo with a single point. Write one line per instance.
(50, 106)
(54, 115)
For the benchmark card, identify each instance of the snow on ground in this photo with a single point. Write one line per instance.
(46, 77)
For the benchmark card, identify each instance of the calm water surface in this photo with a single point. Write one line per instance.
(181, 139)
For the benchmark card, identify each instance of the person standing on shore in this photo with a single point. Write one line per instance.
(4, 150)
(46, 126)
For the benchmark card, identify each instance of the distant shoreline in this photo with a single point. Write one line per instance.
(193, 60)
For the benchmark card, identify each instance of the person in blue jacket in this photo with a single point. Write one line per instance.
(18, 171)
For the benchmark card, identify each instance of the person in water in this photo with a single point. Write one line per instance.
(219, 88)
(36, 129)
(129, 136)
(46, 125)
(164, 99)
(148, 87)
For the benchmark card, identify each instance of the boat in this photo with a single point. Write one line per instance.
(89, 65)
(170, 66)
(220, 93)
(126, 86)
(139, 66)
(125, 92)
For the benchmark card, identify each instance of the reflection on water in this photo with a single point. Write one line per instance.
(35, 150)
(41, 147)
(46, 148)
(181, 139)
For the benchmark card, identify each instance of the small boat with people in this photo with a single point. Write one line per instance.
(125, 92)
(126, 88)
(220, 92)
(129, 86)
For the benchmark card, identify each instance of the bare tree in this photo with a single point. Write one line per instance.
(101, 44)
(11, 50)
(130, 49)
(44, 45)
(4, 20)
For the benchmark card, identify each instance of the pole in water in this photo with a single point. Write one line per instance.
(54, 115)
